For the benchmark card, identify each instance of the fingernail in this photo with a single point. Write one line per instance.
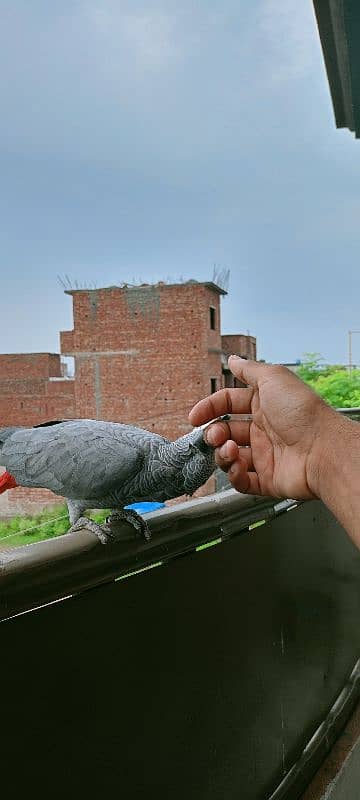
(223, 451)
(209, 436)
(238, 358)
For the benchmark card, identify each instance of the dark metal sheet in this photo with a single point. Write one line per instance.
(204, 678)
(339, 29)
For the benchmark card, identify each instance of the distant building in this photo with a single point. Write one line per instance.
(143, 355)
(292, 365)
(34, 388)
(239, 345)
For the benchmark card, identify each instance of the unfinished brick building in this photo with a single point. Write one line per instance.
(143, 355)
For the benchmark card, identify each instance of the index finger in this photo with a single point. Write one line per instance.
(225, 401)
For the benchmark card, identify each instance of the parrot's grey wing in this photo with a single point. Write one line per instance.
(75, 459)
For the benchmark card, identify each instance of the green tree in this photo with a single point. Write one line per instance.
(310, 368)
(335, 384)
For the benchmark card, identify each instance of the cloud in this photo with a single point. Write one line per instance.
(153, 40)
(150, 36)
(284, 34)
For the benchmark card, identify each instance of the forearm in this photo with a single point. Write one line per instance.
(337, 473)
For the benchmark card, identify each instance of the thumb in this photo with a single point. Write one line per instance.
(247, 371)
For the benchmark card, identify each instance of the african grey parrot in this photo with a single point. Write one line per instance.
(96, 464)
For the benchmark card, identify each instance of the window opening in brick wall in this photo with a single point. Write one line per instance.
(212, 318)
(213, 385)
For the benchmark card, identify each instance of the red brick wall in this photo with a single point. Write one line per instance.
(239, 345)
(29, 365)
(144, 355)
(32, 389)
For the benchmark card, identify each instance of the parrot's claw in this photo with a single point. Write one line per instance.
(133, 518)
(103, 532)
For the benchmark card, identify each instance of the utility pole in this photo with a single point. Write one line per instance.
(350, 333)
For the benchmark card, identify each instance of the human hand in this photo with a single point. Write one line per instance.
(281, 450)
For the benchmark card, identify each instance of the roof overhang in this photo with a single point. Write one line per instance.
(339, 29)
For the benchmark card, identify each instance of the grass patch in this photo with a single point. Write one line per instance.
(46, 525)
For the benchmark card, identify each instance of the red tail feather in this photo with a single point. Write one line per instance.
(7, 482)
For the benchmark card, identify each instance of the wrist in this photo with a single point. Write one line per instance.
(330, 455)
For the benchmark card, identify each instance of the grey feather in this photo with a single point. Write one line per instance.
(96, 464)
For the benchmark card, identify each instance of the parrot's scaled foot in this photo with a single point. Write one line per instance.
(103, 532)
(133, 518)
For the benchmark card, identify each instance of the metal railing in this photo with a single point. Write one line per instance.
(354, 413)
(219, 660)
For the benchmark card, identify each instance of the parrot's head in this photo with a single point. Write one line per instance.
(197, 457)
(199, 463)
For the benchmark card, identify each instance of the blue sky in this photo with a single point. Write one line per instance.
(151, 139)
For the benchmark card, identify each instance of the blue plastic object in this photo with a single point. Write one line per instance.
(145, 508)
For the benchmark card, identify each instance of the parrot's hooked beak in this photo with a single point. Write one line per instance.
(199, 440)
(198, 433)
